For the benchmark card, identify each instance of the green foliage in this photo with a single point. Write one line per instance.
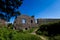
(10, 25)
(23, 36)
(32, 16)
(9, 8)
(51, 29)
(29, 30)
(57, 37)
(10, 34)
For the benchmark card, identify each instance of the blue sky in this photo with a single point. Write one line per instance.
(41, 8)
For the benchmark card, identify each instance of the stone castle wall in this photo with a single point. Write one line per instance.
(29, 22)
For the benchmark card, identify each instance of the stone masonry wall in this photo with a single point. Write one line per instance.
(2, 22)
(29, 22)
(46, 21)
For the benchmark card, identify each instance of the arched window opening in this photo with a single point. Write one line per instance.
(36, 21)
(23, 21)
(31, 21)
(26, 28)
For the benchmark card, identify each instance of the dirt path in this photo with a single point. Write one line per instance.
(34, 31)
(43, 38)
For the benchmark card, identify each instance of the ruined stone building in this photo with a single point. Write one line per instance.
(24, 22)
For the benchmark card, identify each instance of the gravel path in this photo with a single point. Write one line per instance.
(43, 38)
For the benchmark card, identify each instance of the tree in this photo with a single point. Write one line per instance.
(2, 17)
(9, 7)
(32, 16)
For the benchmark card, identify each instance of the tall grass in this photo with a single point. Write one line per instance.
(9, 34)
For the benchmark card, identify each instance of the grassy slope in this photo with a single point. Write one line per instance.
(9, 34)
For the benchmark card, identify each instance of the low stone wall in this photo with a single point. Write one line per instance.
(46, 21)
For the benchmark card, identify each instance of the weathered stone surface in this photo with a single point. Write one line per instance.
(2, 22)
(29, 22)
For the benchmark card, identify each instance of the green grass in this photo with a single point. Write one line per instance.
(57, 37)
(9, 34)
(29, 30)
(22, 36)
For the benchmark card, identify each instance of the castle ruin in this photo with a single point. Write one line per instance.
(26, 22)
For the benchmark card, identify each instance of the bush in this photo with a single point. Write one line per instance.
(51, 29)
(10, 25)
(30, 30)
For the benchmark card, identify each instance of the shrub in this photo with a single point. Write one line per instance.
(51, 29)
(10, 25)
(29, 30)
